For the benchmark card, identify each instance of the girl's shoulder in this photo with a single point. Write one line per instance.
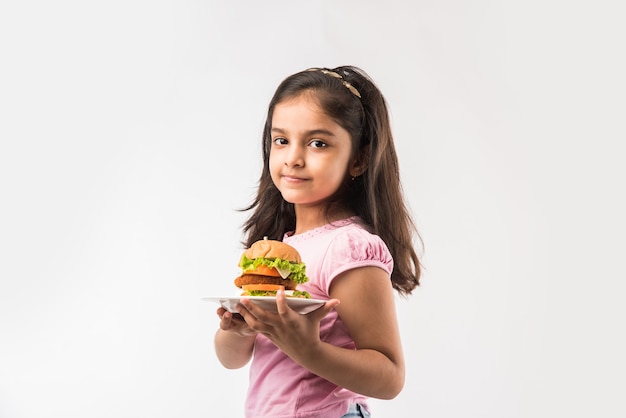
(355, 242)
(345, 241)
(338, 247)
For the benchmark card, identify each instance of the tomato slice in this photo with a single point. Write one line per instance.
(264, 271)
(264, 287)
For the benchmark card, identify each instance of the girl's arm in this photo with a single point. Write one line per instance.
(376, 367)
(234, 340)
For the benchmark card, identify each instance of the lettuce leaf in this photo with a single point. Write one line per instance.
(293, 294)
(298, 271)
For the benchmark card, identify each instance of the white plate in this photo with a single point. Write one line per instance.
(300, 305)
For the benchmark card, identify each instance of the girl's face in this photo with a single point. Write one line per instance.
(310, 152)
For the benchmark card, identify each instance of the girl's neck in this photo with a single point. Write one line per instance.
(311, 218)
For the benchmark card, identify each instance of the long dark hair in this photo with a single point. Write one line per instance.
(349, 96)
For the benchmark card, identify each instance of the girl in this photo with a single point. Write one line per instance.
(330, 188)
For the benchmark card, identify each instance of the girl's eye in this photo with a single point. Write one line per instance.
(280, 141)
(318, 144)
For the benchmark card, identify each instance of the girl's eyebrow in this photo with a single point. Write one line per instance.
(308, 133)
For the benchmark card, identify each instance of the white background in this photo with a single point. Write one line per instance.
(130, 134)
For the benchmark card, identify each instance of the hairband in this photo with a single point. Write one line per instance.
(349, 86)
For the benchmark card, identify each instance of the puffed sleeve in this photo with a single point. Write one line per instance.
(352, 249)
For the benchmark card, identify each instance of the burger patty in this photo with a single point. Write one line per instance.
(245, 279)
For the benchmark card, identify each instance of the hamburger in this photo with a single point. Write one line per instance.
(270, 265)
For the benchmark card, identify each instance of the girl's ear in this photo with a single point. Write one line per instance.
(360, 163)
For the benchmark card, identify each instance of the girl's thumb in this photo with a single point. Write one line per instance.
(321, 312)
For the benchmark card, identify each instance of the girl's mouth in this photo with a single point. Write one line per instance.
(293, 179)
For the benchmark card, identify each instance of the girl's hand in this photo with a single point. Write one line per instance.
(289, 330)
(234, 323)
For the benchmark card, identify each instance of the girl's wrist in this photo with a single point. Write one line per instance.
(309, 352)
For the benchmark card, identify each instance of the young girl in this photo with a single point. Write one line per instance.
(330, 188)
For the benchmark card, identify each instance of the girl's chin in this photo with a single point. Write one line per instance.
(300, 201)
(292, 196)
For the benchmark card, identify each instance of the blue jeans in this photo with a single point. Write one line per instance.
(356, 410)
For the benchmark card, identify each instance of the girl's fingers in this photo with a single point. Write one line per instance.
(322, 311)
(225, 318)
(281, 303)
(230, 320)
(250, 312)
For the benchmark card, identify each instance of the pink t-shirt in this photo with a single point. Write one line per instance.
(279, 387)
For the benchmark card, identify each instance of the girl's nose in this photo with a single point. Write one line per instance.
(294, 157)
